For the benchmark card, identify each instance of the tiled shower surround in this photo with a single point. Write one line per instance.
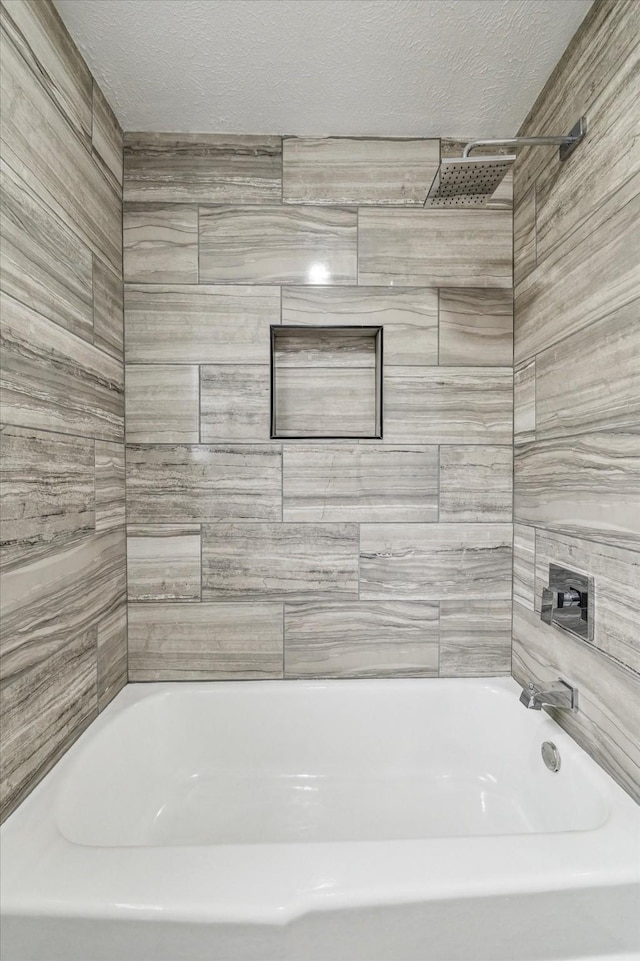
(255, 557)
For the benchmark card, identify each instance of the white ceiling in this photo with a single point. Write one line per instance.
(468, 68)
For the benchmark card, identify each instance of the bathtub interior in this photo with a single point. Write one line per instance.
(287, 762)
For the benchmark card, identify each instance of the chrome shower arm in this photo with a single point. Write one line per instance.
(568, 141)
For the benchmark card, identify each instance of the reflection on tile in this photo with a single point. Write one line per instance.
(476, 483)
(234, 403)
(361, 639)
(360, 483)
(160, 243)
(608, 721)
(163, 563)
(194, 483)
(112, 654)
(358, 170)
(476, 327)
(524, 562)
(432, 405)
(110, 486)
(200, 324)
(524, 235)
(107, 137)
(435, 248)
(202, 168)
(43, 263)
(325, 402)
(162, 404)
(585, 485)
(475, 638)
(409, 316)
(524, 398)
(108, 321)
(432, 561)
(54, 381)
(169, 642)
(278, 245)
(47, 492)
(279, 561)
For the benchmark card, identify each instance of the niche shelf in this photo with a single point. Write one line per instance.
(326, 382)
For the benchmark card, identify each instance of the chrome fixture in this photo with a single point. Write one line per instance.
(470, 181)
(551, 756)
(559, 694)
(568, 601)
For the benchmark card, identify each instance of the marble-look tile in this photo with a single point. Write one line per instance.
(476, 483)
(202, 168)
(109, 485)
(524, 564)
(41, 146)
(435, 561)
(475, 638)
(52, 380)
(279, 561)
(591, 380)
(44, 264)
(608, 721)
(435, 248)
(47, 492)
(524, 236)
(185, 484)
(585, 485)
(200, 324)
(162, 404)
(234, 403)
(160, 243)
(108, 316)
(476, 327)
(163, 563)
(616, 576)
(44, 709)
(106, 137)
(358, 170)
(112, 655)
(171, 642)
(360, 483)
(450, 405)
(278, 245)
(325, 347)
(361, 639)
(325, 402)
(409, 316)
(524, 403)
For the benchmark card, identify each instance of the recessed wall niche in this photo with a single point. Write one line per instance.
(326, 382)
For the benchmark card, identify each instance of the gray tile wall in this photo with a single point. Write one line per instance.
(577, 383)
(251, 557)
(63, 642)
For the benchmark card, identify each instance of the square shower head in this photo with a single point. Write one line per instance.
(467, 181)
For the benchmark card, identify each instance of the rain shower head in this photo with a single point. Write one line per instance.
(467, 181)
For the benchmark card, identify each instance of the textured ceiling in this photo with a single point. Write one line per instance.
(362, 67)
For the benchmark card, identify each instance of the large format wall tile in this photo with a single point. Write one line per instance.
(361, 639)
(44, 264)
(435, 248)
(106, 138)
(109, 485)
(358, 170)
(278, 245)
(279, 561)
(108, 315)
(608, 721)
(434, 405)
(200, 325)
(524, 562)
(435, 561)
(476, 327)
(476, 483)
(235, 403)
(360, 483)
(409, 316)
(202, 168)
(204, 641)
(163, 563)
(112, 654)
(162, 404)
(524, 402)
(55, 381)
(47, 492)
(475, 638)
(524, 236)
(185, 484)
(160, 244)
(585, 485)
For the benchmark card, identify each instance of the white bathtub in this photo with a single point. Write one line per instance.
(336, 821)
